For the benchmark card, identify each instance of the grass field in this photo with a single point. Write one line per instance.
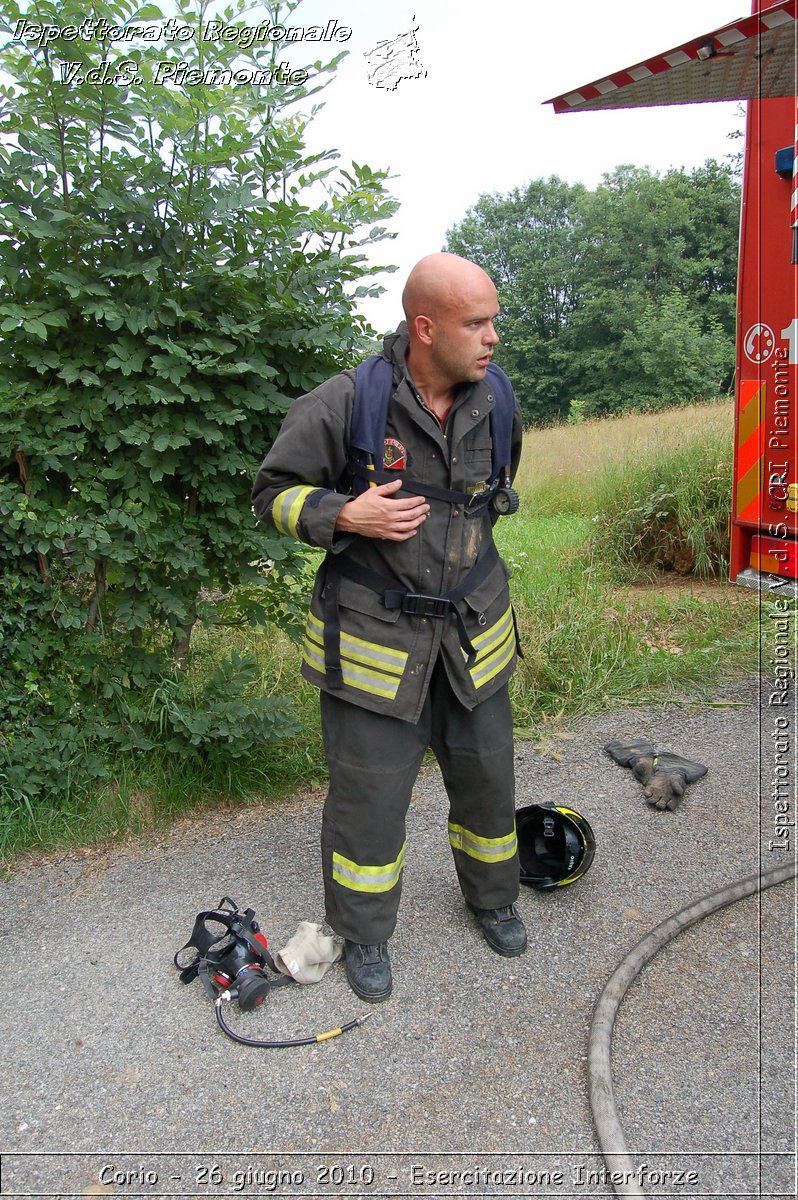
(593, 636)
(602, 629)
(565, 468)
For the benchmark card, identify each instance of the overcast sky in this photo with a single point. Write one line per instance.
(477, 121)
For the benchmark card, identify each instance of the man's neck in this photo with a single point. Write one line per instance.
(438, 394)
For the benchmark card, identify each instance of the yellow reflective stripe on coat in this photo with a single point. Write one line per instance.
(367, 879)
(489, 850)
(495, 649)
(287, 508)
(366, 666)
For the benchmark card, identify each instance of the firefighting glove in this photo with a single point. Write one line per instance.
(664, 775)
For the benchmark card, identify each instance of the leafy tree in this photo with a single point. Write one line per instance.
(526, 242)
(620, 297)
(177, 266)
(650, 242)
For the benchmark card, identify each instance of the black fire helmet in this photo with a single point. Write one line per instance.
(555, 845)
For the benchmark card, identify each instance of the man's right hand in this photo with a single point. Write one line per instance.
(376, 514)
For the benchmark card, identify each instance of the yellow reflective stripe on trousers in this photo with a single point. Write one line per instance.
(287, 508)
(366, 666)
(495, 649)
(489, 850)
(367, 879)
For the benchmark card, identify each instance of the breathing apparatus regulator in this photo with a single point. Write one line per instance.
(556, 845)
(231, 957)
(505, 500)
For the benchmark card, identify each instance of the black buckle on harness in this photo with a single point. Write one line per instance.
(418, 605)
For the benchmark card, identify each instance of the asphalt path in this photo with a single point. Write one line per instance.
(471, 1080)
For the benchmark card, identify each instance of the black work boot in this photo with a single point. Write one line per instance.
(503, 929)
(368, 969)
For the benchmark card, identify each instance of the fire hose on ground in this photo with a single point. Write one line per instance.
(602, 1102)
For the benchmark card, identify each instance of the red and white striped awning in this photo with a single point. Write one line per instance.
(753, 58)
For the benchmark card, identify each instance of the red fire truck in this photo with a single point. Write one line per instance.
(751, 59)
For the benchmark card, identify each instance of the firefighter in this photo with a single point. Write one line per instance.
(410, 636)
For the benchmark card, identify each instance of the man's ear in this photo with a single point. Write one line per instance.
(423, 329)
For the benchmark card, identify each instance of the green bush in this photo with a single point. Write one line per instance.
(668, 511)
(178, 267)
(223, 719)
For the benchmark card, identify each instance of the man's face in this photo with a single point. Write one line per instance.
(463, 333)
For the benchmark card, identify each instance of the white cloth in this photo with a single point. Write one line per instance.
(309, 954)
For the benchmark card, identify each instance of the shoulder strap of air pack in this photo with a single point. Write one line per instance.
(501, 419)
(373, 391)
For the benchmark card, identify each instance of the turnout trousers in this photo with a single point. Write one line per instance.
(373, 762)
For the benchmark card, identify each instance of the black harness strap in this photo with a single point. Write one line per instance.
(203, 940)
(472, 501)
(332, 628)
(395, 595)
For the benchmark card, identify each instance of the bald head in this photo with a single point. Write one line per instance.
(440, 283)
(450, 305)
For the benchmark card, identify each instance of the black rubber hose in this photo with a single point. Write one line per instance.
(602, 1101)
(274, 1044)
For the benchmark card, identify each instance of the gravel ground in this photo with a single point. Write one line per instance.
(119, 1082)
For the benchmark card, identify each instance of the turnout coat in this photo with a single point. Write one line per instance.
(387, 655)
